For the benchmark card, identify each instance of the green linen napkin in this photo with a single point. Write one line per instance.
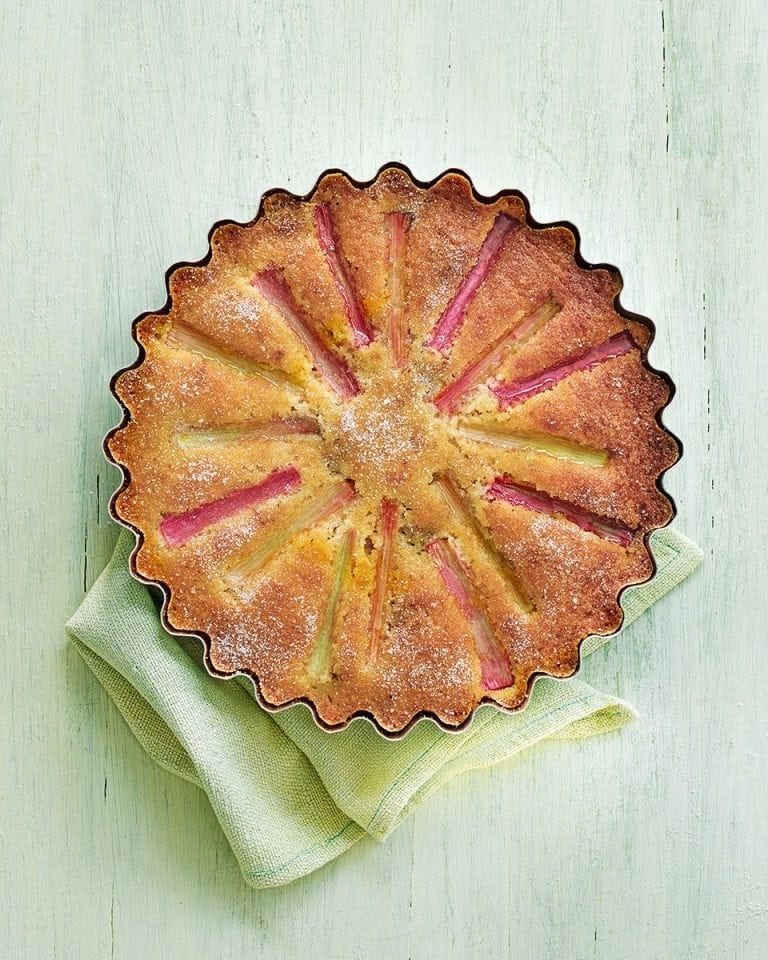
(289, 796)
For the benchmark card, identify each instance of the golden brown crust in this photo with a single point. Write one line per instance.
(223, 357)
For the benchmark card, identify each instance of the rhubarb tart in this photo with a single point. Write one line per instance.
(392, 449)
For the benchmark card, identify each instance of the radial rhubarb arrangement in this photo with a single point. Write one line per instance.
(392, 450)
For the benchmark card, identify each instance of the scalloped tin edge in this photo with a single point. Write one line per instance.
(203, 637)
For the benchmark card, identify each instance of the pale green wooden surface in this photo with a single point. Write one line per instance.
(126, 130)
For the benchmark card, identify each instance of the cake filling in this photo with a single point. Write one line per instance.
(461, 508)
(320, 664)
(184, 338)
(388, 522)
(276, 428)
(318, 508)
(535, 443)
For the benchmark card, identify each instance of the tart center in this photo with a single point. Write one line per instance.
(388, 439)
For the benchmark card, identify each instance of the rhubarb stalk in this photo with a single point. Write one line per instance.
(520, 495)
(477, 372)
(444, 332)
(278, 428)
(390, 515)
(462, 510)
(398, 224)
(517, 391)
(536, 443)
(184, 338)
(362, 331)
(495, 668)
(178, 528)
(329, 364)
(319, 666)
(320, 507)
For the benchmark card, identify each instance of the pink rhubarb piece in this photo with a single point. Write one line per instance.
(495, 669)
(178, 528)
(332, 367)
(516, 391)
(444, 332)
(520, 495)
(362, 331)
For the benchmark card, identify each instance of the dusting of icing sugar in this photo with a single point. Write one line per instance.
(543, 526)
(236, 533)
(234, 308)
(438, 295)
(459, 673)
(202, 471)
(248, 590)
(519, 643)
(264, 639)
(545, 529)
(422, 666)
(381, 434)
(443, 668)
(389, 440)
(234, 643)
(192, 384)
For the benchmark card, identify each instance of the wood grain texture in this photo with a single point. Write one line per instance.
(126, 130)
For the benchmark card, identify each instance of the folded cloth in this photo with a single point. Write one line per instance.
(289, 796)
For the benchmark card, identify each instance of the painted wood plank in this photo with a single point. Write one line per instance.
(127, 129)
